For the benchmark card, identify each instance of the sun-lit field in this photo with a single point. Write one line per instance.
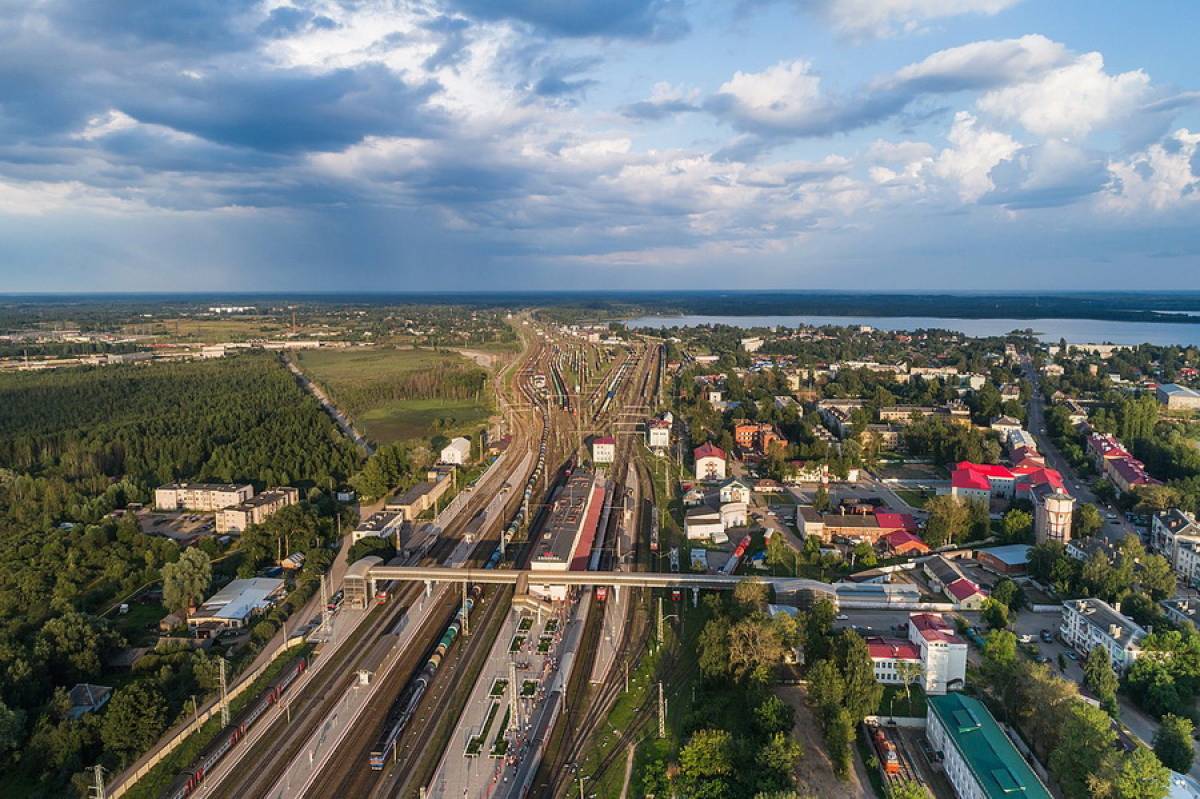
(371, 384)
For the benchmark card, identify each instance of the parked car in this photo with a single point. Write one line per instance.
(1047, 637)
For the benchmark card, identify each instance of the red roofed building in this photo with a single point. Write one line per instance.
(892, 521)
(902, 542)
(943, 653)
(887, 654)
(938, 655)
(966, 594)
(710, 462)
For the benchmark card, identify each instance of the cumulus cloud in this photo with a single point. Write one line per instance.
(876, 18)
(787, 99)
(974, 151)
(1163, 176)
(1071, 100)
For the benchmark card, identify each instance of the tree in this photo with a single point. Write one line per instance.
(1000, 648)
(133, 720)
(818, 629)
(821, 499)
(1156, 576)
(1098, 674)
(826, 689)
(774, 715)
(778, 757)
(1086, 521)
(186, 580)
(909, 672)
(713, 646)
(1087, 737)
(838, 735)
(979, 522)
(1137, 775)
(909, 789)
(755, 648)
(864, 554)
(995, 614)
(1016, 526)
(12, 728)
(751, 593)
(1173, 743)
(863, 692)
(1008, 593)
(948, 520)
(708, 754)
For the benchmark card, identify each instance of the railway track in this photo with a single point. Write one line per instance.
(259, 768)
(437, 712)
(588, 707)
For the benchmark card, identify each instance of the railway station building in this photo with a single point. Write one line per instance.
(566, 540)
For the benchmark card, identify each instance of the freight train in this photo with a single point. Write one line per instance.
(402, 711)
(231, 736)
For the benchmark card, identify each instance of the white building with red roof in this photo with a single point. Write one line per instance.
(710, 462)
(932, 646)
(943, 653)
(604, 449)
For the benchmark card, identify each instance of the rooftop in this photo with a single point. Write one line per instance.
(1099, 613)
(708, 450)
(933, 627)
(892, 649)
(204, 486)
(991, 757)
(239, 598)
(569, 510)
(1012, 554)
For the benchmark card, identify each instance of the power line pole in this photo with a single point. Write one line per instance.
(224, 696)
(97, 789)
(466, 628)
(513, 708)
(662, 712)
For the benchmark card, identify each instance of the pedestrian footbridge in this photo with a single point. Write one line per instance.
(363, 576)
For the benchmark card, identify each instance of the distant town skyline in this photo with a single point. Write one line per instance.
(464, 145)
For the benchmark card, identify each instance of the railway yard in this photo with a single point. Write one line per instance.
(488, 690)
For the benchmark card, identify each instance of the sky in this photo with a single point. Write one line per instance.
(326, 145)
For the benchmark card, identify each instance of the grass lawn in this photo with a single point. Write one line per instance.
(913, 497)
(894, 702)
(408, 419)
(355, 378)
(140, 625)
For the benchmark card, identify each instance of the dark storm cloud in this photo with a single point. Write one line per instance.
(287, 110)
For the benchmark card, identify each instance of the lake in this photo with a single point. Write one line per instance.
(1075, 331)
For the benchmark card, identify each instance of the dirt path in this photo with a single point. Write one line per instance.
(815, 771)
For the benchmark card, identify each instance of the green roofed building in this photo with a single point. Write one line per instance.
(979, 760)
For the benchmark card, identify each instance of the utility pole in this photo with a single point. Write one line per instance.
(97, 789)
(224, 697)
(513, 708)
(662, 712)
(325, 614)
(466, 628)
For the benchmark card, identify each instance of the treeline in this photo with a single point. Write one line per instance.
(238, 419)
(76, 445)
(444, 381)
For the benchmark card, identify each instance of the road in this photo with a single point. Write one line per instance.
(343, 421)
(1078, 488)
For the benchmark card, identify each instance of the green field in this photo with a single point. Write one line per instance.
(376, 386)
(408, 419)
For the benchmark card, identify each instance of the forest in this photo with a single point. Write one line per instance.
(78, 444)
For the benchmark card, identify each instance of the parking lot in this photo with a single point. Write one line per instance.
(179, 527)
